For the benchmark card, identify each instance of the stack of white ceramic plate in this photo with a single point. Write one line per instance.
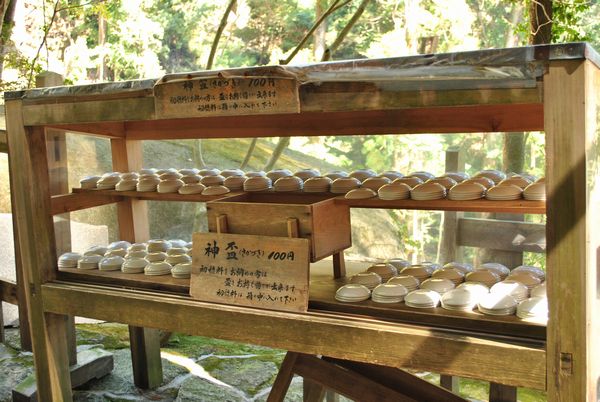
(119, 244)
(147, 171)
(176, 250)
(363, 174)
(431, 267)
(476, 288)
(424, 176)
(134, 265)
(129, 176)
(418, 271)
(539, 291)
(147, 182)
(88, 262)
(368, 279)
(235, 183)
(422, 298)
(336, 174)
(209, 172)
(535, 192)
(113, 263)
(126, 185)
(464, 267)
(191, 188)
(484, 181)
(458, 177)
(167, 170)
(384, 270)
(188, 171)
(89, 182)
(352, 293)
(410, 181)
(459, 300)
(428, 191)
(179, 243)
(68, 260)
(182, 270)
(389, 293)
(360, 194)
(96, 250)
(156, 256)
(516, 180)
(319, 184)
(137, 247)
(178, 259)
(215, 190)
(526, 278)
(108, 181)
(136, 254)
(541, 180)
(258, 173)
(232, 172)
(495, 175)
(289, 183)
(535, 271)
(445, 181)
(306, 174)
(501, 270)
(408, 281)
(513, 288)
(375, 183)
(488, 278)
(276, 174)
(394, 191)
(399, 263)
(504, 192)
(257, 183)
(466, 191)
(527, 176)
(158, 268)
(344, 184)
(438, 285)
(391, 174)
(216, 180)
(157, 245)
(117, 252)
(497, 304)
(533, 309)
(455, 275)
(169, 186)
(170, 175)
(191, 179)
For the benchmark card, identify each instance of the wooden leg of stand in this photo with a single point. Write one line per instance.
(1, 323)
(283, 379)
(339, 265)
(313, 391)
(502, 393)
(71, 341)
(331, 396)
(449, 382)
(145, 356)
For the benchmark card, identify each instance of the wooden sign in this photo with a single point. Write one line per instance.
(257, 271)
(198, 97)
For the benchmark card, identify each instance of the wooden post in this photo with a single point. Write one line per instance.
(449, 250)
(133, 226)
(31, 211)
(572, 124)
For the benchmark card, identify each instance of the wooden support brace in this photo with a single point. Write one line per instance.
(222, 224)
(339, 265)
(283, 379)
(449, 382)
(502, 393)
(145, 357)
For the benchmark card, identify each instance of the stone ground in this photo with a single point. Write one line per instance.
(194, 369)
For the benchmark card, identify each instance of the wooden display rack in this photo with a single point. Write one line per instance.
(557, 91)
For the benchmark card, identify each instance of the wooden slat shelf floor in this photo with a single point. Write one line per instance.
(483, 205)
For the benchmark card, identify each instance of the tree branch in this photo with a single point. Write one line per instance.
(44, 39)
(344, 32)
(220, 29)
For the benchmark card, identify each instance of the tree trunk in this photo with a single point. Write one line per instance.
(7, 8)
(281, 145)
(101, 76)
(220, 29)
(540, 21)
(344, 32)
(249, 154)
(319, 34)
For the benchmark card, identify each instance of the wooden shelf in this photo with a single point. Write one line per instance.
(483, 205)
(322, 291)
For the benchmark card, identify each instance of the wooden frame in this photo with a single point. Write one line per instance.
(563, 102)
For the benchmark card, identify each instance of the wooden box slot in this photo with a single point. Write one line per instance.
(325, 223)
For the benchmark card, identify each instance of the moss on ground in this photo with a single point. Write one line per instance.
(109, 335)
(196, 346)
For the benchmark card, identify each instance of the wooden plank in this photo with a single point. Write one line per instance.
(450, 119)
(8, 291)
(517, 207)
(345, 382)
(502, 393)
(355, 338)
(400, 381)
(331, 230)
(114, 110)
(105, 129)
(495, 234)
(31, 211)
(247, 270)
(284, 378)
(81, 200)
(572, 122)
(152, 195)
